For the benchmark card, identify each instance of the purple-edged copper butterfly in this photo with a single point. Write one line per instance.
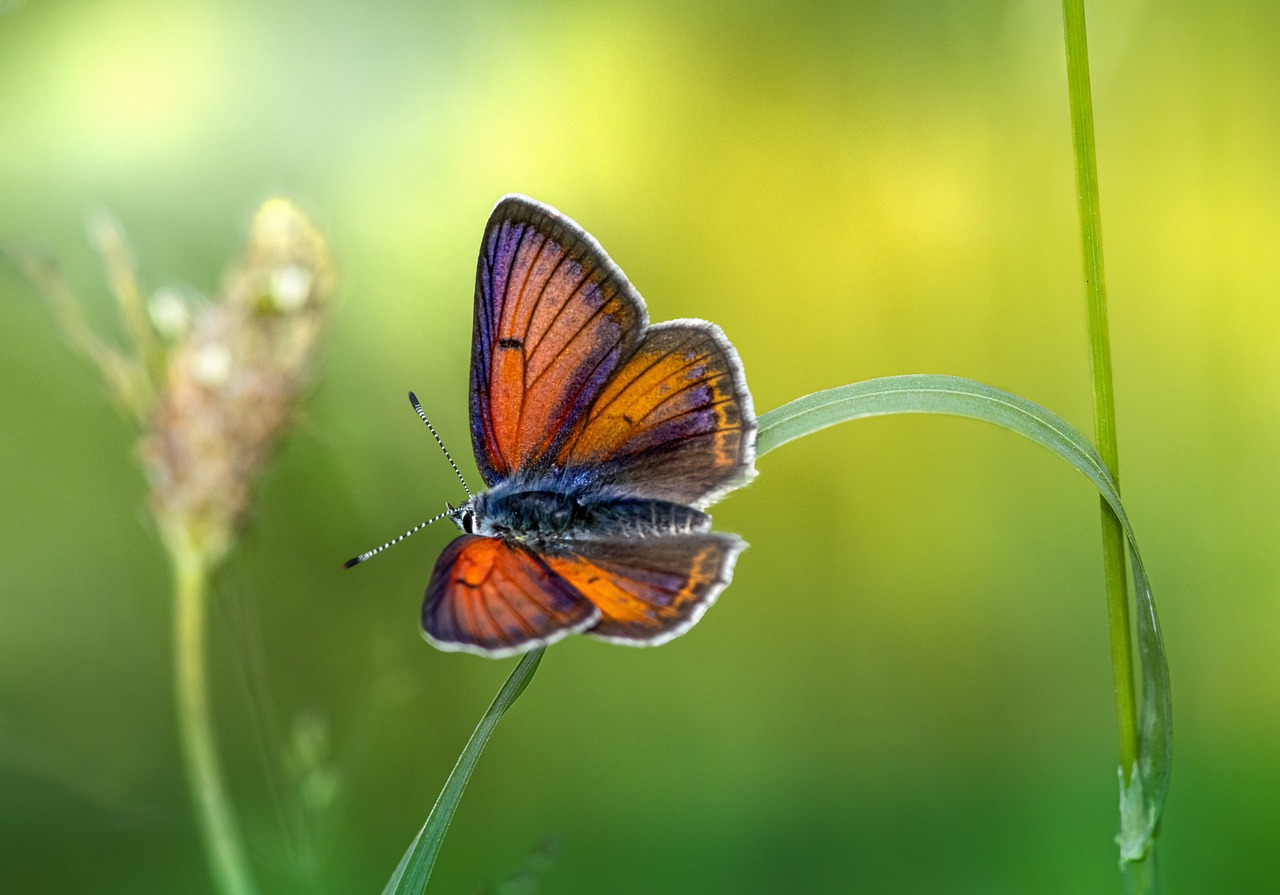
(602, 440)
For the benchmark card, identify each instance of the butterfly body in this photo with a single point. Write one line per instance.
(545, 513)
(602, 440)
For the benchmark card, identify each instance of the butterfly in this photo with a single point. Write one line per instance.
(602, 440)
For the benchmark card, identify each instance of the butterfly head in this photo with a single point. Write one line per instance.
(464, 516)
(476, 516)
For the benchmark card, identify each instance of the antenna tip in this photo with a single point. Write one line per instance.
(354, 561)
(413, 399)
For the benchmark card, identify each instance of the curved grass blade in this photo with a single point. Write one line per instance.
(414, 870)
(1143, 800)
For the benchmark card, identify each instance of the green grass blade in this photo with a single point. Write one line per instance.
(414, 870)
(1143, 801)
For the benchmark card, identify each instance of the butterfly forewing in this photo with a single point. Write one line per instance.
(553, 319)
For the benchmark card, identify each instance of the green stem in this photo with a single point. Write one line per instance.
(1142, 877)
(414, 871)
(222, 842)
(1104, 411)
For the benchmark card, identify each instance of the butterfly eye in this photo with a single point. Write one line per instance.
(468, 522)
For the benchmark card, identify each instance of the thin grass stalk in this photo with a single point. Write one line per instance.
(1138, 879)
(414, 870)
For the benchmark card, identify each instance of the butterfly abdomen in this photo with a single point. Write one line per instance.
(637, 517)
(542, 515)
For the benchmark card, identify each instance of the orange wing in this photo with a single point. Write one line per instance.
(494, 599)
(651, 590)
(675, 421)
(554, 316)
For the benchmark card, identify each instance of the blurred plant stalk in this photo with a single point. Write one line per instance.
(212, 385)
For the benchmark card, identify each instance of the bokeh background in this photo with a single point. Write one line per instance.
(907, 688)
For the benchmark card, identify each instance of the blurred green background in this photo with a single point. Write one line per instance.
(907, 688)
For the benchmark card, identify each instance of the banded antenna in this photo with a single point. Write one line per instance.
(413, 399)
(356, 560)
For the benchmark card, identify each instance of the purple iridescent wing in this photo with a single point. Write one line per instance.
(554, 317)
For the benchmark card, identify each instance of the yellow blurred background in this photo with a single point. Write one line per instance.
(906, 688)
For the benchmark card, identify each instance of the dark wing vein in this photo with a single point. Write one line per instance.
(524, 623)
(487, 315)
(684, 388)
(557, 445)
(666, 445)
(599, 409)
(480, 383)
(675, 416)
(666, 399)
(560, 354)
(528, 272)
(524, 368)
(586, 277)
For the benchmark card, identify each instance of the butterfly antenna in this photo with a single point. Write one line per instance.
(413, 399)
(356, 560)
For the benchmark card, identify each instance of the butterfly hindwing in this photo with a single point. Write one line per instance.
(674, 422)
(497, 599)
(650, 590)
(554, 317)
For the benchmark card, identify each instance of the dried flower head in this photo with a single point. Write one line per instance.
(213, 383)
(233, 380)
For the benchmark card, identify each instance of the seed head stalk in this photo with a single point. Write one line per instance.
(213, 385)
(220, 832)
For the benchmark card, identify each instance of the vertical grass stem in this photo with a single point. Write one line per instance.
(222, 842)
(1139, 875)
